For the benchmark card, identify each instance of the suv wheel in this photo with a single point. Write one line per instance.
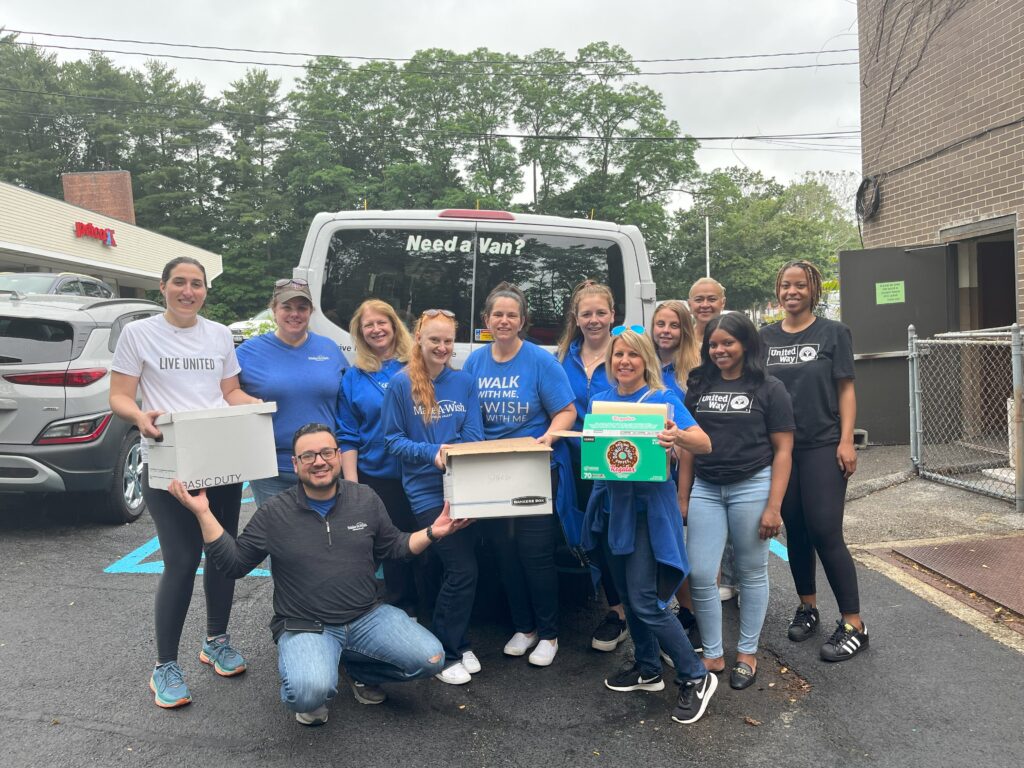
(123, 503)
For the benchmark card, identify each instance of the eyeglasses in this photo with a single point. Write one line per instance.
(436, 312)
(621, 329)
(291, 281)
(308, 457)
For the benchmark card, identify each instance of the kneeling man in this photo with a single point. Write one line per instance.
(325, 537)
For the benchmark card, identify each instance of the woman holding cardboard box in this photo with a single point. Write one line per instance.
(180, 361)
(524, 392)
(737, 490)
(641, 526)
(429, 406)
(295, 368)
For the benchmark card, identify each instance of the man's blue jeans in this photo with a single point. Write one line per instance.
(385, 645)
(734, 510)
(268, 487)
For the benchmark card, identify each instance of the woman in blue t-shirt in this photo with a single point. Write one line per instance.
(382, 345)
(737, 490)
(678, 348)
(295, 368)
(524, 392)
(428, 407)
(582, 350)
(640, 524)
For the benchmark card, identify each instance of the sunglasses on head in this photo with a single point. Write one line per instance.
(436, 312)
(291, 281)
(621, 329)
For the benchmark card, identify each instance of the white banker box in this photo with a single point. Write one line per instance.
(498, 478)
(214, 446)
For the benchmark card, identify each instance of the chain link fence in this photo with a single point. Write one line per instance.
(964, 429)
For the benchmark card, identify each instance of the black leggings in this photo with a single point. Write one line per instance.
(181, 544)
(813, 513)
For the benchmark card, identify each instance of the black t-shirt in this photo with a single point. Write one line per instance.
(809, 363)
(739, 416)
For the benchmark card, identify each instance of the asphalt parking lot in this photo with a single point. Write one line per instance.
(76, 649)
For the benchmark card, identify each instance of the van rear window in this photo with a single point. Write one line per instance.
(415, 270)
(27, 340)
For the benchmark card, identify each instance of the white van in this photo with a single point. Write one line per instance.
(418, 260)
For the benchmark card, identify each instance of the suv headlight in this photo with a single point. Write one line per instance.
(80, 429)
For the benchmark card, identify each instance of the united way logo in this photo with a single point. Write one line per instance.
(794, 354)
(724, 402)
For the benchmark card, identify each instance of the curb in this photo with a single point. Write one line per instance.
(867, 487)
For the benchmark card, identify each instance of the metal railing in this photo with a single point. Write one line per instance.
(966, 419)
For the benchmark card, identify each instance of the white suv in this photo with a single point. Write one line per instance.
(57, 433)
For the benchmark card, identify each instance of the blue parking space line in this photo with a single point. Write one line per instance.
(135, 562)
(779, 549)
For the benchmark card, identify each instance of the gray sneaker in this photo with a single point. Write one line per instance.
(317, 717)
(367, 694)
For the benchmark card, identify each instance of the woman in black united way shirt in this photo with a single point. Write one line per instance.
(737, 489)
(813, 357)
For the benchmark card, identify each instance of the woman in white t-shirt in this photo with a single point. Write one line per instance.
(179, 361)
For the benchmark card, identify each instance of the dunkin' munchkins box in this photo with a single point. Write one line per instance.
(620, 442)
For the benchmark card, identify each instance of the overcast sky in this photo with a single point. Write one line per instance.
(775, 102)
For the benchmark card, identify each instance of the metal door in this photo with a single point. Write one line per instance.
(882, 291)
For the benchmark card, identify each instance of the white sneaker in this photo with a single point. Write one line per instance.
(520, 643)
(544, 653)
(317, 717)
(456, 674)
(471, 662)
(726, 592)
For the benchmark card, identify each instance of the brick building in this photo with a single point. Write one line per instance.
(942, 131)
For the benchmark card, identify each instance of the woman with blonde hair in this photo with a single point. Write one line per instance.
(582, 350)
(678, 350)
(640, 524)
(428, 407)
(382, 346)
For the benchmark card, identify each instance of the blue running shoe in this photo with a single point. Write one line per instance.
(225, 660)
(168, 686)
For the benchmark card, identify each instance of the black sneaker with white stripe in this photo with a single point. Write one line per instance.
(632, 679)
(694, 696)
(846, 642)
(804, 623)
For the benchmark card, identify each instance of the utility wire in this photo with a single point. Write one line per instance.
(459, 71)
(820, 135)
(405, 59)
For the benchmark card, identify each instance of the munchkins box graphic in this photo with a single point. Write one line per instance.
(623, 446)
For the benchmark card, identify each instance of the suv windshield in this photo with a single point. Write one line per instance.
(414, 270)
(27, 340)
(26, 283)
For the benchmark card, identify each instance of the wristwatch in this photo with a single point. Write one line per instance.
(430, 534)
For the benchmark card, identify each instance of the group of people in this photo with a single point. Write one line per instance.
(362, 451)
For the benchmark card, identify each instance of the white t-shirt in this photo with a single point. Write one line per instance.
(179, 369)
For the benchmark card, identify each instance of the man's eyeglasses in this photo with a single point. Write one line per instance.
(291, 281)
(621, 329)
(308, 457)
(436, 312)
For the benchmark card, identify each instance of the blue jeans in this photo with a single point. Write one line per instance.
(650, 625)
(454, 605)
(268, 487)
(384, 645)
(718, 511)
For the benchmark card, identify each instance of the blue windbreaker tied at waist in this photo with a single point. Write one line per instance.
(614, 508)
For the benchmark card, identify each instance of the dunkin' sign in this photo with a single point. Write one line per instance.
(105, 236)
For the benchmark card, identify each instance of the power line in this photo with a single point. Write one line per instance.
(460, 71)
(406, 59)
(820, 135)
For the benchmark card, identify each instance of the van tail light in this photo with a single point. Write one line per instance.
(471, 213)
(81, 377)
(81, 429)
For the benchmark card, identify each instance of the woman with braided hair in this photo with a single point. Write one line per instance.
(813, 357)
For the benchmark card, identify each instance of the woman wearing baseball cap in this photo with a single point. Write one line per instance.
(296, 368)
